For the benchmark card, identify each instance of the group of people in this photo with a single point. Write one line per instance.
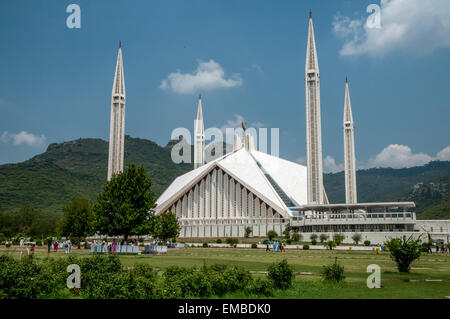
(276, 246)
(111, 247)
(66, 245)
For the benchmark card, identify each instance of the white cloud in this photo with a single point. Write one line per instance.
(236, 123)
(208, 75)
(417, 26)
(444, 155)
(330, 166)
(398, 156)
(23, 138)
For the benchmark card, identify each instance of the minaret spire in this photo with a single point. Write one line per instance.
(349, 150)
(117, 122)
(316, 193)
(199, 142)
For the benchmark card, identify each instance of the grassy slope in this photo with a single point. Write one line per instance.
(394, 285)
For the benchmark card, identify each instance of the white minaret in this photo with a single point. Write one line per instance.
(117, 124)
(313, 127)
(199, 137)
(349, 150)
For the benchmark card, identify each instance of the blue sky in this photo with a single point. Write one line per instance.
(55, 82)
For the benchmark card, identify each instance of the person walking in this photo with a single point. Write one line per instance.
(113, 246)
(267, 245)
(49, 244)
(55, 246)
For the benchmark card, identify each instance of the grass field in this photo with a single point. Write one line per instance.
(431, 282)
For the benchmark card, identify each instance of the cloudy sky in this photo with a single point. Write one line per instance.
(246, 58)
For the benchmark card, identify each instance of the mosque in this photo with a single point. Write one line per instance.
(249, 188)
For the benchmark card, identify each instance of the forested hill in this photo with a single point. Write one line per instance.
(427, 186)
(78, 169)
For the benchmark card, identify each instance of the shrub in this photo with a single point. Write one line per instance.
(305, 247)
(262, 287)
(231, 241)
(254, 245)
(338, 239)
(313, 237)
(330, 244)
(205, 245)
(289, 241)
(296, 237)
(367, 243)
(140, 239)
(404, 251)
(218, 241)
(357, 238)
(323, 238)
(8, 244)
(287, 233)
(333, 272)
(248, 231)
(272, 234)
(313, 242)
(281, 274)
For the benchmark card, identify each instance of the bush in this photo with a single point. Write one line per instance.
(205, 245)
(367, 243)
(262, 287)
(272, 234)
(404, 251)
(140, 239)
(231, 241)
(313, 237)
(289, 241)
(254, 245)
(305, 247)
(338, 239)
(8, 244)
(323, 238)
(333, 272)
(218, 241)
(313, 242)
(281, 274)
(296, 237)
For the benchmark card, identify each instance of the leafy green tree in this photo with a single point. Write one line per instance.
(404, 251)
(323, 238)
(248, 231)
(166, 226)
(357, 238)
(124, 206)
(338, 239)
(287, 233)
(271, 234)
(297, 237)
(330, 244)
(313, 238)
(25, 220)
(78, 220)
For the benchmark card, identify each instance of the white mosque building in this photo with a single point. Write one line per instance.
(249, 188)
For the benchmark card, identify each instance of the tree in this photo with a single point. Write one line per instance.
(166, 226)
(287, 233)
(357, 238)
(25, 220)
(297, 237)
(248, 231)
(338, 239)
(323, 237)
(313, 238)
(330, 244)
(78, 219)
(124, 206)
(404, 251)
(272, 234)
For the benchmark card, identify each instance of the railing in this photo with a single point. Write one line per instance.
(348, 218)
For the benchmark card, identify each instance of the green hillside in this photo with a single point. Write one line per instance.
(426, 185)
(78, 168)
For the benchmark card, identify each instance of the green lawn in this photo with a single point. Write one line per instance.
(394, 284)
